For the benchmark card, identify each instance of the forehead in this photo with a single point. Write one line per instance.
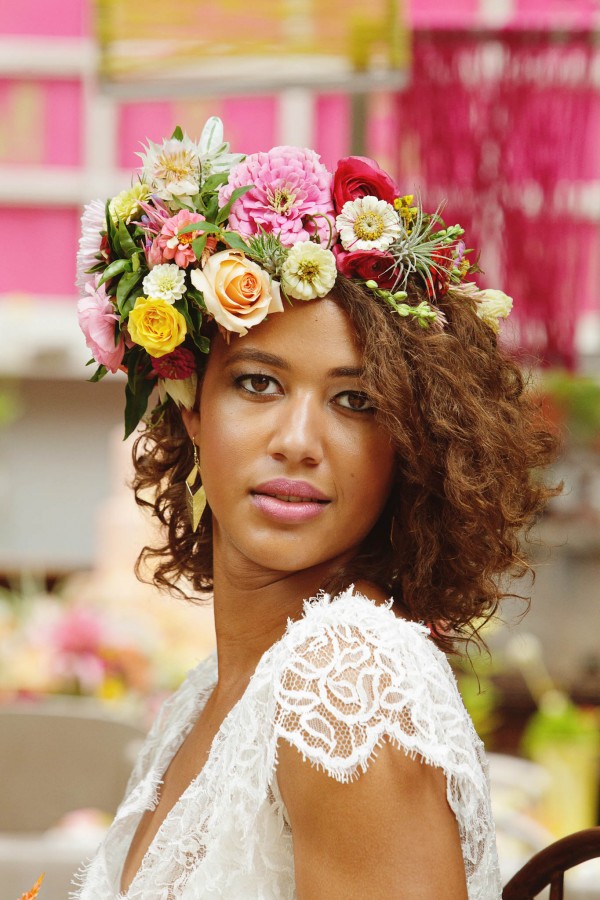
(317, 334)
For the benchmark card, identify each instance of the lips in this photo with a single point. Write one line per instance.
(289, 502)
(291, 491)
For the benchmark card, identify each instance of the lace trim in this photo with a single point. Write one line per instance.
(356, 676)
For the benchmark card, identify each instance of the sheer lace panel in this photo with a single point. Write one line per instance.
(343, 678)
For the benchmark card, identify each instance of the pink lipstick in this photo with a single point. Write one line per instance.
(289, 501)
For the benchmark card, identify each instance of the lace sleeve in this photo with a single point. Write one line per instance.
(355, 675)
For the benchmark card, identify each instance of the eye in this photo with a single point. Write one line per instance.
(357, 401)
(258, 384)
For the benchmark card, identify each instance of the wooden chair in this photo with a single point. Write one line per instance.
(547, 868)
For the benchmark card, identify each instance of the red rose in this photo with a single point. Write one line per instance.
(359, 176)
(175, 366)
(367, 264)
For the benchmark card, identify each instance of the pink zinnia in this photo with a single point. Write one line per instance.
(97, 319)
(290, 184)
(175, 366)
(168, 246)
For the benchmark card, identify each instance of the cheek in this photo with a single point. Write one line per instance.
(373, 475)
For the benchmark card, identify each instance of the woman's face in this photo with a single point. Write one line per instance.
(296, 468)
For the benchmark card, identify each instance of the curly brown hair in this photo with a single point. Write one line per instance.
(469, 445)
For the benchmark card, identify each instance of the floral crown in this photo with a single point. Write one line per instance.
(209, 233)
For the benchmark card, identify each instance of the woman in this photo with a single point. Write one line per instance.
(365, 458)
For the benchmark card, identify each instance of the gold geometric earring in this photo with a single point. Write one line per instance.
(195, 499)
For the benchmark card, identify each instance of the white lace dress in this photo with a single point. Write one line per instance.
(345, 677)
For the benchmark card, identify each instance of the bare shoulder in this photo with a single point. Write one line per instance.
(388, 832)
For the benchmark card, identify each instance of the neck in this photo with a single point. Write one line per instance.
(252, 610)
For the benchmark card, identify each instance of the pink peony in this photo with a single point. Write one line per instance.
(290, 184)
(167, 246)
(179, 364)
(97, 319)
(367, 264)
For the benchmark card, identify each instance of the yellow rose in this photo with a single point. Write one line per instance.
(237, 292)
(156, 325)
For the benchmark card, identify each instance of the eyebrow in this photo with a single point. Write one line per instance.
(270, 359)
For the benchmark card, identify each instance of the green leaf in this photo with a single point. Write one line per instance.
(213, 182)
(127, 283)
(211, 207)
(198, 245)
(127, 244)
(201, 342)
(177, 134)
(199, 226)
(235, 240)
(115, 268)
(112, 234)
(225, 210)
(182, 307)
(99, 373)
(196, 295)
(138, 390)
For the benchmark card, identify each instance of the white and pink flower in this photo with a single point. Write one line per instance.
(93, 223)
(289, 186)
(97, 317)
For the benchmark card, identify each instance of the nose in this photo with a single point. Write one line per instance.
(297, 433)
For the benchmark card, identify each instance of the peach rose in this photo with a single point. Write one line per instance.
(237, 292)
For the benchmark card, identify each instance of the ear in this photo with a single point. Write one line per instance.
(191, 420)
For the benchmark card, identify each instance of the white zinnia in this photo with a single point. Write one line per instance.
(172, 168)
(368, 224)
(93, 223)
(309, 271)
(166, 281)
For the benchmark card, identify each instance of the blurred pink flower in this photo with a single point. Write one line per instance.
(167, 245)
(290, 185)
(97, 319)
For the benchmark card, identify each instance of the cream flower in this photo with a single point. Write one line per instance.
(172, 168)
(368, 224)
(492, 305)
(166, 281)
(181, 390)
(126, 205)
(309, 271)
(237, 292)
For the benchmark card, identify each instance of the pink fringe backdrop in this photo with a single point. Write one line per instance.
(505, 127)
